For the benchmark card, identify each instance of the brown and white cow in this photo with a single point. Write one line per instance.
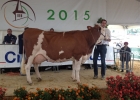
(49, 46)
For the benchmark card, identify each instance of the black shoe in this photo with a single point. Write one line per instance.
(103, 77)
(95, 77)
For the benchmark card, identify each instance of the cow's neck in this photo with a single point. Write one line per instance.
(90, 38)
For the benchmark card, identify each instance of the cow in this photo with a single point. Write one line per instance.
(75, 46)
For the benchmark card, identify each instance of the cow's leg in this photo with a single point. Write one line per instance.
(73, 71)
(77, 69)
(85, 58)
(27, 69)
(36, 66)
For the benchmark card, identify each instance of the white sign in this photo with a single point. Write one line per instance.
(10, 57)
(62, 15)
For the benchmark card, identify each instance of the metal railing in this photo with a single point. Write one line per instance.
(123, 60)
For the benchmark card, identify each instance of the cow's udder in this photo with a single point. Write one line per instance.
(39, 59)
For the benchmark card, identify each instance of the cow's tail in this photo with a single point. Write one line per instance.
(22, 70)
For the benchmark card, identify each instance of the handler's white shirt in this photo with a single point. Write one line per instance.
(105, 35)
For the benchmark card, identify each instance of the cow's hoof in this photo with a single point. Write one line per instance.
(73, 79)
(39, 79)
(78, 82)
(30, 83)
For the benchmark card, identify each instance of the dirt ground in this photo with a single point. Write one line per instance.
(61, 79)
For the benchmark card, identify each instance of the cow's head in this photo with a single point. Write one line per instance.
(95, 32)
(96, 28)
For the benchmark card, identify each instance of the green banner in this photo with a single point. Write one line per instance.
(136, 52)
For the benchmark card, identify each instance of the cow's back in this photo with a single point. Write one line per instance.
(65, 45)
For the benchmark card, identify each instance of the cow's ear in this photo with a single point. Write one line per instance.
(88, 27)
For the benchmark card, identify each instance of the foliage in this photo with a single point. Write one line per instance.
(83, 92)
(127, 88)
(2, 93)
(99, 20)
(20, 93)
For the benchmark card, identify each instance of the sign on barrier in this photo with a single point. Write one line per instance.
(10, 57)
(136, 52)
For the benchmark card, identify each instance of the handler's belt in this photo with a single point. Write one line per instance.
(103, 44)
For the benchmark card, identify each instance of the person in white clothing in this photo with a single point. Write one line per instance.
(101, 49)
